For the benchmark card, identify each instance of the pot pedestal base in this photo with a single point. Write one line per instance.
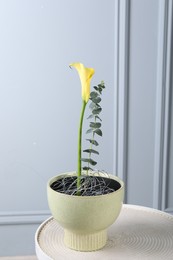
(85, 242)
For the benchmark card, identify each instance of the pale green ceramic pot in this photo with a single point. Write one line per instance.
(85, 219)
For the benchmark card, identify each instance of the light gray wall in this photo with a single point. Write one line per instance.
(142, 100)
(40, 102)
(169, 180)
(143, 91)
(128, 42)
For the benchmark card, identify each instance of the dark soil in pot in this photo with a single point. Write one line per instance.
(90, 185)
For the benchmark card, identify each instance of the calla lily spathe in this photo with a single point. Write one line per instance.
(85, 75)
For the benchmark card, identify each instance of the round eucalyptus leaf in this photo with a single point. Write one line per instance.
(98, 131)
(97, 111)
(93, 94)
(95, 125)
(96, 100)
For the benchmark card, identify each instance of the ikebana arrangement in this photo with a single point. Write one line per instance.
(87, 201)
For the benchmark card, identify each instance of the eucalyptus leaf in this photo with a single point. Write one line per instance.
(100, 90)
(98, 131)
(90, 151)
(96, 100)
(90, 161)
(91, 116)
(93, 94)
(92, 105)
(97, 117)
(89, 131)
(87, 168)
(97, 111)
(101, 85)
(95, 125)
(94, 142)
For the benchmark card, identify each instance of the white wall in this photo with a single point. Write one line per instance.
(128, 42)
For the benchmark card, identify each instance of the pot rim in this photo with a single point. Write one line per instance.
(102, 174)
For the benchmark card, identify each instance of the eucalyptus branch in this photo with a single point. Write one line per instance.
(95, 125)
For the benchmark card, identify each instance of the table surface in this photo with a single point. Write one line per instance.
(138, 233)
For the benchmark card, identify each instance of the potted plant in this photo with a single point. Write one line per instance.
(86, 202)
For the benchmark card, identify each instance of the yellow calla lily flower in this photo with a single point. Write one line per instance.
(85, 75)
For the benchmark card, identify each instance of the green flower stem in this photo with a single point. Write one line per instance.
(80, 146)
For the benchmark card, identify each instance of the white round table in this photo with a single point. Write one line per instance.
(138, 233)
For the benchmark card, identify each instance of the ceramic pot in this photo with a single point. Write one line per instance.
(85, 219)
